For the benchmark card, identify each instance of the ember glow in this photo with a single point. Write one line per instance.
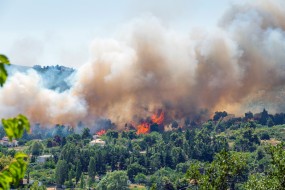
(101, 132)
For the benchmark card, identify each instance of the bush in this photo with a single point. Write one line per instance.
(264, 135)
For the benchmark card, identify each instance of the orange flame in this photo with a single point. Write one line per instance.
(101, 132)
(158, 119)
(143, 128)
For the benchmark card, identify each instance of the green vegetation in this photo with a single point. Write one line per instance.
(14, 127)
(235, 153)
(3, 73)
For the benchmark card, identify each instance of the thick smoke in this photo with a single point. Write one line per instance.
(23, 93)
(150, 67)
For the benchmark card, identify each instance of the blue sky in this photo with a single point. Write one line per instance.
(50, 32)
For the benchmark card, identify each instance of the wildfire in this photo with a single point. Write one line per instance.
(101, 132)
(143, 128)
(157, 119)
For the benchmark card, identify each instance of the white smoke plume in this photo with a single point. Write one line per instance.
(150, 67)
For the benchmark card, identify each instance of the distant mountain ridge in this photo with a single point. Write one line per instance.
(53, 77)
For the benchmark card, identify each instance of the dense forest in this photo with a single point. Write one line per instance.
(224, 152)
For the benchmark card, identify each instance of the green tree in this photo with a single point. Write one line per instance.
(37, 148)
(82, 182)
(61, 172)
(227, 169)
(269, 122)
(36, 186)
(248, 115)
(5, 161)
(261, 182)
(78, 171)
(134, 169)
(277, 173)
(193, 174)
(203, 149)
(178, 155)
(114, 180)
(92, 168)
(219, 115)
(71, 174)
(3, 73)
(246, 140)
(264, 135)
(168, 160)
(140, 178)
(49, 143)
(2, 132)
(69, 152)
(15, 127)
(167, 184)
(86, 134)
(264, 117)
(112, 134)
(275, 177)
(15, 171)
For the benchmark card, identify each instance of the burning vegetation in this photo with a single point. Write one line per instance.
(101, 132)
(148, 126)
(143, 128)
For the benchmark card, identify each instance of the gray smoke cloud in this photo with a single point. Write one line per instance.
(150, 67)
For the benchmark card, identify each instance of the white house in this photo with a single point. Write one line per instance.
(98, 142)
(5, 142)
(43, 158)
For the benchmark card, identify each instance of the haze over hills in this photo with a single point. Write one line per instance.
(53, 77)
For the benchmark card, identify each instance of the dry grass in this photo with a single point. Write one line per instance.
(19, 148)
(272, 141)
(137, 187)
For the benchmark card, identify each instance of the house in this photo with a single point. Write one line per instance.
(5, 142)
(44, 158)
(97, 142)
(26, 182)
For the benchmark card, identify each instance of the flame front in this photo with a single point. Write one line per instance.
(157, 119)
(143, 128)
(101, 132)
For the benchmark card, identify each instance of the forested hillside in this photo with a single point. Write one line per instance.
(225, 152)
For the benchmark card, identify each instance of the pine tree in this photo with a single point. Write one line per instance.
(92, 168)
(61, 172)
(78, 171)
(82, 182)
(70, 176)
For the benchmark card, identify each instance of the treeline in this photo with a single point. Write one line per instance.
(225, 152)
(262, 118)
(182, 159)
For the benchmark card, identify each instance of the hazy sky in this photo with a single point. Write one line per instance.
(60, 32)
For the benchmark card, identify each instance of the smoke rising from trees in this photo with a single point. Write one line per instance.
(150, 66)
